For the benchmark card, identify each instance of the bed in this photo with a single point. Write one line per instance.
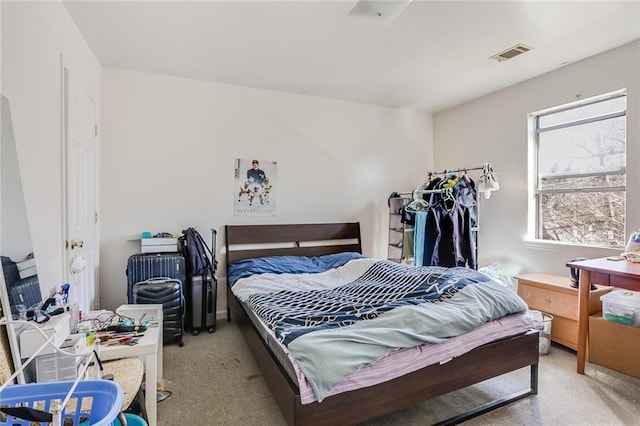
(357, 404)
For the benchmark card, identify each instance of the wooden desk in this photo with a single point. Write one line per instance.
(620, 274)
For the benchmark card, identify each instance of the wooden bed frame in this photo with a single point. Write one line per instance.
(485, 362)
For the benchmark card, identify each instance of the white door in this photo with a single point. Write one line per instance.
(80, 171)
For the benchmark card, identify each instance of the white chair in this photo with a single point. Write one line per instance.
(128, 373)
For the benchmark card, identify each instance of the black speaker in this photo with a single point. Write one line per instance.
(575, 274)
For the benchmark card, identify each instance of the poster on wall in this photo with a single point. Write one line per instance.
(254, 185)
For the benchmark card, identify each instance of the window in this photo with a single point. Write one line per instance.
(579, 167)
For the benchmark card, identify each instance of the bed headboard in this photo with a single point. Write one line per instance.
(247, 241)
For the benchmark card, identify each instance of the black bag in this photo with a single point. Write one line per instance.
(199, 258)
(201, 288)
(22, 291)
(25, 292)
(10, 270)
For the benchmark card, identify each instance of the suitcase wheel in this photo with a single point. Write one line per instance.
(195, 332)
(212, 330)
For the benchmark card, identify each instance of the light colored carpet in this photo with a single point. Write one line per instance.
(215, 381)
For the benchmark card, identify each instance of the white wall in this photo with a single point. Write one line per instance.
(168, 150)
(35, 36)
(1, 48)
(494, 129)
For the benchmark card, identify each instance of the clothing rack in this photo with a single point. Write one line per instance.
(466, 169)
(440, 191)
(424, 191)
(420, 191)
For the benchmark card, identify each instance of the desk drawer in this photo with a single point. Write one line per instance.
(600, 278)
(553, 302)
(625, 282)
(565, 332)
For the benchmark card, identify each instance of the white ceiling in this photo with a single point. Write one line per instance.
(433, 56)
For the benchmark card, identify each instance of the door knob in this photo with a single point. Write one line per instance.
(74, 244)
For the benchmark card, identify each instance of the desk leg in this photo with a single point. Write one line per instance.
(151, 387)
(583, 318)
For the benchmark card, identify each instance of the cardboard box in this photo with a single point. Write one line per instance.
(27, 268)
(57, 366)
(151, 313)
(622, 306)
(159, 245)
(614, 346)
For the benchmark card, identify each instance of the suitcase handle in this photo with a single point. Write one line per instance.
(210, 300)
(158, 280)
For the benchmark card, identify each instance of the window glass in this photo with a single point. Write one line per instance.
(580, 172)
(588, 147)
(591, 218)
(589, 110)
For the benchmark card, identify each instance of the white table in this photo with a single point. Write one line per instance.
(149, 349)
(150, 312)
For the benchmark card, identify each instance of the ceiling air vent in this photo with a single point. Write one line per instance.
(516, 50)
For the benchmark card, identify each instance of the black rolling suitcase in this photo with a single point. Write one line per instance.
(202, 283)
(203, 304)
(168, 292)
(144, 266)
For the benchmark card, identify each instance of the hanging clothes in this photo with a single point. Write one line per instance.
(446, 235)
(419, 230)
(408, 244)
(466, 194)
(430, 231)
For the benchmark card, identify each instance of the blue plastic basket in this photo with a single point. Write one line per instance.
(94, 402)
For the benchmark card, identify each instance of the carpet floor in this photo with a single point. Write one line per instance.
(214, 380)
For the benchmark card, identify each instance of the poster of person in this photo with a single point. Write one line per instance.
(254, 185)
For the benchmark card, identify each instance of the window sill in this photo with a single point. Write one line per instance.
(560, 246)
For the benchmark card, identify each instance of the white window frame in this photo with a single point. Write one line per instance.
(534, 205)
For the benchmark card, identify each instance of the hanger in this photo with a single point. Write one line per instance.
(448, 195)
(448, 200)
(464, 175)
(418, 204)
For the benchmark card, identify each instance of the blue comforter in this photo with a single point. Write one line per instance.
(287, 265)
